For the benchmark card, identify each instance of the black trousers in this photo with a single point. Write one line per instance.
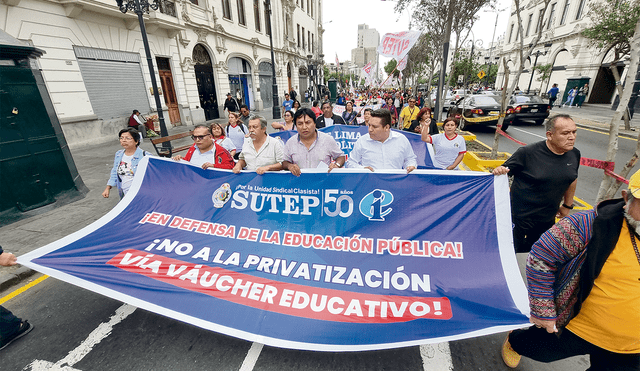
(526, 233)
(539, 345)
(9, 323)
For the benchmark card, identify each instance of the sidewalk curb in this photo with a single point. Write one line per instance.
(606, 131)
(8, 280)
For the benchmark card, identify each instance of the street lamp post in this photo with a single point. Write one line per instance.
(140, 7)
(473, 43)
(535, 62)
(276, 105)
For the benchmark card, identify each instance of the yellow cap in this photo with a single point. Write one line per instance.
(634, 184)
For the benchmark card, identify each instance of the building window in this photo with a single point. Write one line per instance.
(267, 21)
(313, 43)
(312, 8)
(529, 24)
(256, 13)
(302, 4)
(552, 16)
(540, 17)
(298, 35)
(304, 44)
(510, 34)
(226, 9)
(564, 12)
(308, 6)
(194, 2)
(308, 40)
(580, 9)
(241, 15)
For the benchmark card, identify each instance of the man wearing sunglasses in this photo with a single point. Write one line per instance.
(205, 152)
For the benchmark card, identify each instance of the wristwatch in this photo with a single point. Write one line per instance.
(567, 206)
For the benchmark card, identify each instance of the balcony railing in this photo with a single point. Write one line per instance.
(167, 7)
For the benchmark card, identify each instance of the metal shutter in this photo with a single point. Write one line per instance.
(113, 80)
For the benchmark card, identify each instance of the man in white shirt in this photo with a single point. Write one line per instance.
(328, 118)
(382, 148)
(260, 151)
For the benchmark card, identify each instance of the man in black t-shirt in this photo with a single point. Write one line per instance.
(231, 104)
(544, 174)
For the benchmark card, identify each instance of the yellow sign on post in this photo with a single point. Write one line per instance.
(481, 74)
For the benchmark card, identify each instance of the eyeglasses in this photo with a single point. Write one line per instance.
(126, 138)
(199, 137)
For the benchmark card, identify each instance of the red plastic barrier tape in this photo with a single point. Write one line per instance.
(607, 166)
(616, 176)
(510, 137)
(598, 164)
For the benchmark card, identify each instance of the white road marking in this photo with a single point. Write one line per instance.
(95, 337)
(252, 357)
(524, 131)
(436, 357)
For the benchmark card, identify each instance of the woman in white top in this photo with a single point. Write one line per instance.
(449, 146)
(296, 106)
(221, 139)
(125, 162)
(287, 124)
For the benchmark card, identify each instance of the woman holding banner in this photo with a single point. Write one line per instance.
(449, 146)
(125, 162)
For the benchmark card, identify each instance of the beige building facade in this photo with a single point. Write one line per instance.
(96, 69)
(563, 46)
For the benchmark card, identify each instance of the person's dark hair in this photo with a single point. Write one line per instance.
(135, 111)
(326, 102)
(349, 102)
(204, 126)
(135, 134)
(424, 111)
(315, 103)
(304, 112)
(550, 125)
(243, 106)
(294, 103)
(367, 110)
(455, 120)
(218, 125)
(383, 114)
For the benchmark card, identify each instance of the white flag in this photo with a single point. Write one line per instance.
(397, 45)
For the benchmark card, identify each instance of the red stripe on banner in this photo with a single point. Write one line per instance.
(286, 298)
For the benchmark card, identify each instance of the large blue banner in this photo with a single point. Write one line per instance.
(347, 135)
(340, 261)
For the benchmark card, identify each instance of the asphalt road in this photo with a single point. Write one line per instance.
(76, 329)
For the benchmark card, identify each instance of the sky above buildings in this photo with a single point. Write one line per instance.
(341, 19)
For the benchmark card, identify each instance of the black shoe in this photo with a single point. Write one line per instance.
(25, 328)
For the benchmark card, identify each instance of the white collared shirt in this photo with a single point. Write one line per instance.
(394, 153)
(271, 152)
(198, 158)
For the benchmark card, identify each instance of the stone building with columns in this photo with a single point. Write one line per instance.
(563, 46)
(96, 69)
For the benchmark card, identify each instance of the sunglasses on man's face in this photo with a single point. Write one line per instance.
(199, 137)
